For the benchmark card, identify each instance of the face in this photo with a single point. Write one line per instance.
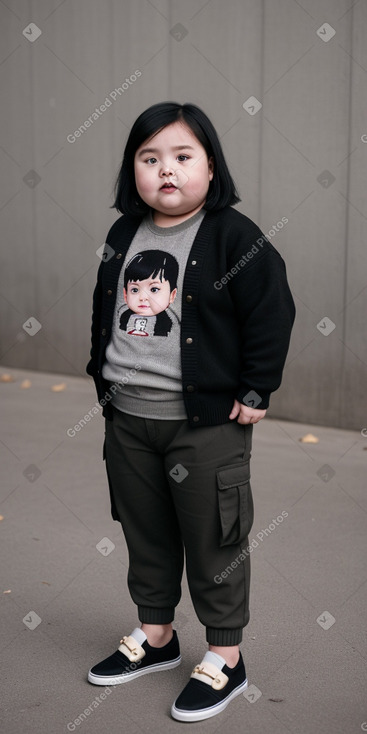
(149, 297)
(175, 156)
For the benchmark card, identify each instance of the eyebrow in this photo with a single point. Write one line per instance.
(135, 282)
(155, 150)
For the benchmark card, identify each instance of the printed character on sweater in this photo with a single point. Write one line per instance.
(150, 286)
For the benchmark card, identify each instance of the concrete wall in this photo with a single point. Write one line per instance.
(302, 156)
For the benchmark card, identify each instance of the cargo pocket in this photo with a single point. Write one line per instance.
(236, 509)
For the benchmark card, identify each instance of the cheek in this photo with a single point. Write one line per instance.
(143, 179)
(200, 181)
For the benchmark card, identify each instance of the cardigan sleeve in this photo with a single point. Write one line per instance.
(266, 314)
(92, 366)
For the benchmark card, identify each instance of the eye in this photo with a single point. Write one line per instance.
(134, 289)
(150, 159)
(183, 155)
(155, 289)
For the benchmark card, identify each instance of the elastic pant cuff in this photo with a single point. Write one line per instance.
(223, 637)
(152, 615)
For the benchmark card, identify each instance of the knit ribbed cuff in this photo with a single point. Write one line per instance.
(223, 637)
(152, 615)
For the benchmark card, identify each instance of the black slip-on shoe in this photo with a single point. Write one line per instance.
(133, 658)
(210, 689)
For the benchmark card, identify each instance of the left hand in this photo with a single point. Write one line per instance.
(246, 414)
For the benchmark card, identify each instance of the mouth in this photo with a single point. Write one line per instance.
(168, 186)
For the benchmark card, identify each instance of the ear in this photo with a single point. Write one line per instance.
(211, 167)
(173, 295)
(125, 295)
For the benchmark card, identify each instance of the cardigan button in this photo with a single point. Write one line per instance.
(196, 418)
(119, 256)
(193, 262)
(109, 292)
(190, 388)
(104, 332)
(188, 299)
(189, 340)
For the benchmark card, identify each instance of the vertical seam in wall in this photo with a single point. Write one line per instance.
(37, 279)
(345, 279)
(169, 54)
(261, 131)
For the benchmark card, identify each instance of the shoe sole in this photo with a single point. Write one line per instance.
(201, 714)
(108, 680)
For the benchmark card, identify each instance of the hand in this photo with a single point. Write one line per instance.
(246, 414)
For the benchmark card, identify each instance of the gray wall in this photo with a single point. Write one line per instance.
(217, 55)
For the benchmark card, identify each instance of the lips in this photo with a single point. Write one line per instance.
(168, 186)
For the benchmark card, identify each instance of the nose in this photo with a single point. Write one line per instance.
(166, 170)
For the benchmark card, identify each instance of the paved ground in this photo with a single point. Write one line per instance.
(305, 647)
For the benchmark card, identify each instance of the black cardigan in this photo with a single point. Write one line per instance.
(237, 309)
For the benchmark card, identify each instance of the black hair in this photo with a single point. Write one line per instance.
(153, 263)
(222, 191)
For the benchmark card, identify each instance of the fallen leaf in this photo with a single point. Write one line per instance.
(45, 582)
(1, 517)
(25, 384)
(6, 378)
(8, 591)
(58, 388)
(309, 438)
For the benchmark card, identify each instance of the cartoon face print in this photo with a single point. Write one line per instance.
(150, 296)
(150, 286)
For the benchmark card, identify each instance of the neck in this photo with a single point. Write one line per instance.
(169, 220)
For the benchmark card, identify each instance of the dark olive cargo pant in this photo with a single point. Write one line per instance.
(179, 490)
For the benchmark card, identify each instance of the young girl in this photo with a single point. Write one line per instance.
(180, 403)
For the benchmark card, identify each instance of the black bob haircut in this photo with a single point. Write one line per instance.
(222, 191)
(152, 263)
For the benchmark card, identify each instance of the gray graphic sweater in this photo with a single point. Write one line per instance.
(144, 348)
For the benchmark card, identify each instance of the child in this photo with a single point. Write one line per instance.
(180, 404)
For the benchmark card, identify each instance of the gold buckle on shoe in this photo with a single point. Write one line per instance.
(131, 648)
(218, 679)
